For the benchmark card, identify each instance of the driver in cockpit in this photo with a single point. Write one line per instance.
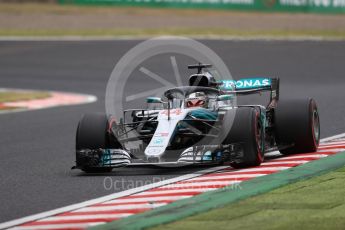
(197, 99)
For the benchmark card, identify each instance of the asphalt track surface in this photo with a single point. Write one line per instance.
(37, 147)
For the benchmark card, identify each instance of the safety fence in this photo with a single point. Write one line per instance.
(317, 6)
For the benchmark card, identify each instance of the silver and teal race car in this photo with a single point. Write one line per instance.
(199, 124)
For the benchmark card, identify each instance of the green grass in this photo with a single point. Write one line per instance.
(317, 203)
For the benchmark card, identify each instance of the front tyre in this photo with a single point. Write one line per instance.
(247, 130)
(92, 133)
(297, 126)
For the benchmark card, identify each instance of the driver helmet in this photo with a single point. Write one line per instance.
(197, 99)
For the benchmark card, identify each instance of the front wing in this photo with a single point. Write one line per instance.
(197, 155)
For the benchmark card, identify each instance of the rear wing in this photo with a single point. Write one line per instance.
(247, 86)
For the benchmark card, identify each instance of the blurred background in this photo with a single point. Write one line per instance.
(145, 18)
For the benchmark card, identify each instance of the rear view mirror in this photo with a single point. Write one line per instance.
(154, 100)
(224, 97)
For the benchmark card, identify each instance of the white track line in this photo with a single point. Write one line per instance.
(331, 150)
(338, 136)
(331, 146)
(262, 169)
(170, 191)
(284, 162)
(220, 176)
(338, 140)
(58, 226)
(143, 199)
(163, 184)
(108, 197)
(201, 184)
(301, 157)
(332, 143)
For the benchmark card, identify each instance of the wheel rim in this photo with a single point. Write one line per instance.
(259, 138)
(316, 126)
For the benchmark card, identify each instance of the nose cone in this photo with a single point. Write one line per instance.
(164, 132)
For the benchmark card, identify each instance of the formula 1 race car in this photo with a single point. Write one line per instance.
(199, 124)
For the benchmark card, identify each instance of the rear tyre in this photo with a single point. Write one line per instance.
(297, 126)
(92, 133)
(247, 129)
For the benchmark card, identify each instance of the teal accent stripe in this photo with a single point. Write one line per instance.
(221, 197)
